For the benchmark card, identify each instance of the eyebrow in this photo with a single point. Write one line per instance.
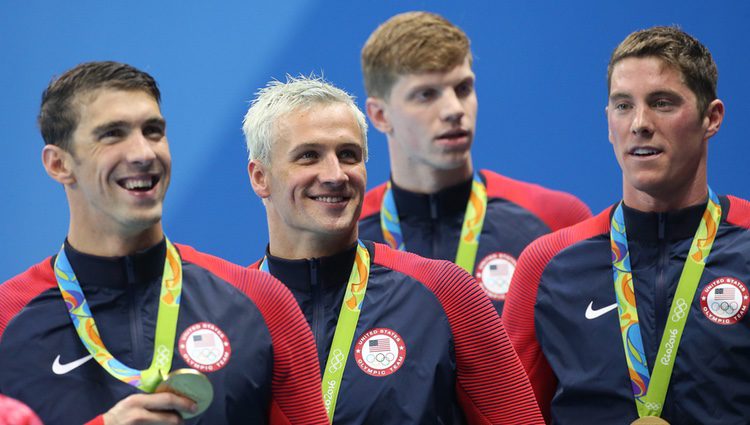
(109, 126)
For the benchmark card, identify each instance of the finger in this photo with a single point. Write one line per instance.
(168, 401)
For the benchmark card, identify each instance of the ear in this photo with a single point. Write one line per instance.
(377, 112)
(609, 129)
(714, 117)
(259, 178)
(58, 164)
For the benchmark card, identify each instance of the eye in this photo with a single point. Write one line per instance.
(663, 104)
(350, 156)
(307, 156)
(425, 95)
(464, 89)
(622, 106)
(112, 135)
(153, 132)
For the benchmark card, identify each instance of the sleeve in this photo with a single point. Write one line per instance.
(297, 397)
(297, 394)
(518, 318)
(14, 412)
(555, 208)
(491, 385)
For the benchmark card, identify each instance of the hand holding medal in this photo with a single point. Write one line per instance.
(189, 383)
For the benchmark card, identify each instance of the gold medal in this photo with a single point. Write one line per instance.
(649, 420)
(191, 384)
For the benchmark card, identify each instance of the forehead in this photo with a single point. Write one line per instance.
(318, 124)
(453, 76)
(94, 107)
(646, 73)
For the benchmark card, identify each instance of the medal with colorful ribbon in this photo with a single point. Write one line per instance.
(650, 390)
(166, 322)
(468, 243)
(351, 306)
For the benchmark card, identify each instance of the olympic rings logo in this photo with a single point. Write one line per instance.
(384, 359)
(336, 361)
(651, 406)
(680, 310)
(727, 307)
(162, 355)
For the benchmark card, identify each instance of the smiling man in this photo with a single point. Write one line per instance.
(401, 339)
(640, 312)
(101, 331)
(418, 75)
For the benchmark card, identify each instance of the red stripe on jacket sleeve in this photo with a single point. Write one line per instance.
(739, 212)
(555, 208)
(492, 386)
(372, 202)
(518, 312)
(297, 394)
(20, 290)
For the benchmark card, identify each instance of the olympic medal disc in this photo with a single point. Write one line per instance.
(191, 384)
(649, 420)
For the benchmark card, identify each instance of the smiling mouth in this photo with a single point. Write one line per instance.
(138, 184)
(644, 152)
(330, 199)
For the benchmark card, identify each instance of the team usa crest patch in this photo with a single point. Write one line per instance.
(725, 301)
(494, 274)
(205, 347)
(380, 352)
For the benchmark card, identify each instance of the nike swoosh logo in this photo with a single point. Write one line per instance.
(592, 314)
(62, 369)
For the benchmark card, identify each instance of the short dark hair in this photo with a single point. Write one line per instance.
(58, 116)
(678, 49)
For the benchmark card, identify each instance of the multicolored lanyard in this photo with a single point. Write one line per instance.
(166, 322)
(650, 391)
(476, 209)
(351, 306)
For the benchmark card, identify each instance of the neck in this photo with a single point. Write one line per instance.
(301, 246)
(90, 241)
(666, 200)
(427, 179)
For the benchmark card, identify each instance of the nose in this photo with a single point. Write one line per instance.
(642, 123)
(452, 109)
(332, 172)
(140, 150)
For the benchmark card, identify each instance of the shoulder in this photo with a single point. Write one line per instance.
(542, 250)
(372, 202)
(555, 208)
(443, 278)
(739, 212)
(262, 288)
(21, 289)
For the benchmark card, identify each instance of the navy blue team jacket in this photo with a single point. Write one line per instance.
(240, 328)
(562, 318)
(428, 348)
(517, 213)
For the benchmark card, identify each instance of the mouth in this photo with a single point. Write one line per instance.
(457, 138)
(140, 184)
(330, 199)
(644, 151)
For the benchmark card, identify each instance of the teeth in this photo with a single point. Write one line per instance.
(132, 184)
(644, 151)
(329, 199)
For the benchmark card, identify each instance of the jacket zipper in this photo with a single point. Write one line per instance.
(318, 319)
(136, 333)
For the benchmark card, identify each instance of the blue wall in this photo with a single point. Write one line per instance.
(540, 66)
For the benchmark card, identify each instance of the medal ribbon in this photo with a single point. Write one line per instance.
(351, 306)
(166, 322)
(476, 209)
(649, 392)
